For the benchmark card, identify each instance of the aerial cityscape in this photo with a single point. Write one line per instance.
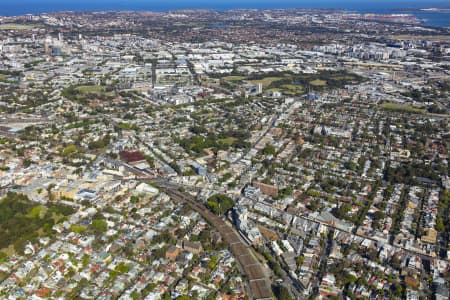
(224, 152)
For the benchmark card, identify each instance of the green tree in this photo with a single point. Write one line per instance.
(122, 268)
(69, 150)
(135, 295)
(300, 260)
(440, 227)
(269, 150)
(282, 293)
(77, 228)
(219, 203)
(134, 199)
(98, 226)
(3, 256)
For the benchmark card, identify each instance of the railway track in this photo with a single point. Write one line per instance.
(258, 283)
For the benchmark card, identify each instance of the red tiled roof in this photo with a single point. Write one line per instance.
(130, 157)
(42, 292)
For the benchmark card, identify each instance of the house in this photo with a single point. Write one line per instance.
(105, 257)
(144, 188)
(441, 291)
(430, 236)
(193, 247)
(85, 194)
(267, 189)
(172, 253)
(412, 282)
(43, 292)
(199, 169)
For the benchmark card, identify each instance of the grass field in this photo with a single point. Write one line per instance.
(267, 84)
(267, 81)
(234, 78)
(37, 212)
(402, 108)
(83, 93)
(318, 82)
(11, 26)
(3, 76)
(9, 250)
(294, 84)
(264, 81)
(228, 141)
(90, 88)
(292, 89)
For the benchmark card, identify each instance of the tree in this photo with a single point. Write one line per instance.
(77, 228)
(22, 221)
(349, 279)
(69, 150)
(122, 268)
(440, 227)
(98, 226)
(213, 206)
(135, 295)
(300, 260)
(49, 191)
(269, 150)
(378, 215)
(342, 211)
(150, 160)
(212, 296)
(350, 165)
(397, 289)
(396, 262)
(219, 203)
(281, 292)
(3, 256)
(313, 205)
(285, 192)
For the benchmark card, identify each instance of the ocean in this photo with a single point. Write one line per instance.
(21, 7)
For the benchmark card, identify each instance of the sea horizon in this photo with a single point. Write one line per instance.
(439, 19)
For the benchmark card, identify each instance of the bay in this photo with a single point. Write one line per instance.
(21, 7)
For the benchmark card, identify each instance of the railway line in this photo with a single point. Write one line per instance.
(259, 284)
